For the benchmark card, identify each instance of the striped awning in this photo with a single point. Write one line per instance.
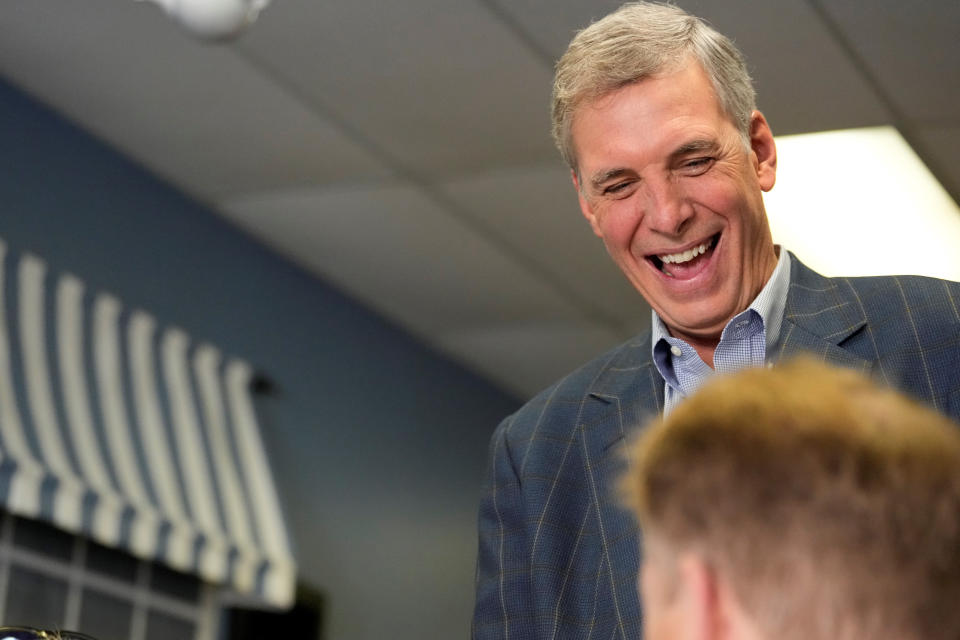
(132, 434)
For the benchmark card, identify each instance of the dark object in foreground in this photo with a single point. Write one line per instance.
(28, 633)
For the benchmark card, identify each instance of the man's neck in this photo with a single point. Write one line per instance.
(705, 347)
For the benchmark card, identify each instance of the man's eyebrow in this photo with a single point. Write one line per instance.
(600, 177)
(695, 146)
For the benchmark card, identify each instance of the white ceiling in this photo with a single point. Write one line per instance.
(400, 150)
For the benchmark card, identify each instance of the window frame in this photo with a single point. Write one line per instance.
(203, 614)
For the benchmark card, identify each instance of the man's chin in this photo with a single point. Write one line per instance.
(693, 325)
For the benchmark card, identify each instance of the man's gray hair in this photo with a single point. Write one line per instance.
(639, 40)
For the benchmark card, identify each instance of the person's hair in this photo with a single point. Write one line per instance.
(639, 40)
(830, 506)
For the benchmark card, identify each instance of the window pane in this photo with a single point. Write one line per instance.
(162, 626)
(35, 600)
(43, 538)
(105, 617)
(110, 562)
(173, 583)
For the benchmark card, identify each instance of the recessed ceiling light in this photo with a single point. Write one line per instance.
(861, 202)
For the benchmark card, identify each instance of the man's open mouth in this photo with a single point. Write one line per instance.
(673, 264)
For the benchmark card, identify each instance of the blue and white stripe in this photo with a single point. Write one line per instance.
(134, 435)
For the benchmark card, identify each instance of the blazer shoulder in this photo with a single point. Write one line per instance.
(876, 297)
(927, 301)
(921, 285)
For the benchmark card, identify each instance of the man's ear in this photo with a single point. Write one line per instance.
(764, 149)
(585, 205)
(705, 599)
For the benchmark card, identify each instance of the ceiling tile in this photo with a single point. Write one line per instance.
(528, 358)
(804, 80)
(911, 48)
(440, 87)
(551, 24)
(196, 114)
(401, 254)
(535, 210)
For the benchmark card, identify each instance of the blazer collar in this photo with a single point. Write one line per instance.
(631, 375)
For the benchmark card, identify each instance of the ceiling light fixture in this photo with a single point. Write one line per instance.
(861, 202)
(213, 19)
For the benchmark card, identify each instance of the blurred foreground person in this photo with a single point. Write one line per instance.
(801, 503)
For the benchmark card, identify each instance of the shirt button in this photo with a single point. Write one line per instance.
(675, 350)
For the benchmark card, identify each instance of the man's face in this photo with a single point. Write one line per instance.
(667, 182)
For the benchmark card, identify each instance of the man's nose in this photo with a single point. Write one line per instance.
(667, 211)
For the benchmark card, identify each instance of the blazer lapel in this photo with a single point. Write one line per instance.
(818, 319)
(796, 340)
(629, 387)
(627, 394)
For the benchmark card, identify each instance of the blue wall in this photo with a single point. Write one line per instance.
(377, 442)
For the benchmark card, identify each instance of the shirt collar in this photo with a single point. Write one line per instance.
(772, 299)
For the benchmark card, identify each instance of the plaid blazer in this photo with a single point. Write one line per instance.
(557, 557)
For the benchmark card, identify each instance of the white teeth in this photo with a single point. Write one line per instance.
(686, 256)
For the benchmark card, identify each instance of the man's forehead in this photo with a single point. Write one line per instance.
(678, 75)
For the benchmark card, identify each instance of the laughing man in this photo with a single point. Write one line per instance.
(655, 114)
